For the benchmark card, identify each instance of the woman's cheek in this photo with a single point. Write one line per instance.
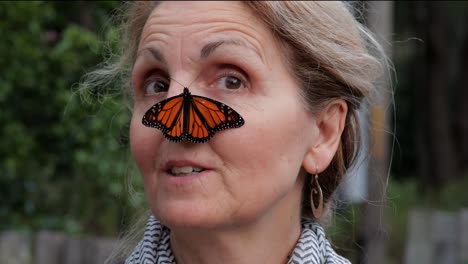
(141, 144)
(247, 148)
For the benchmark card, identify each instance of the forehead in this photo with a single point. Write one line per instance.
(197, 21)
(200, 10)
(185, 13)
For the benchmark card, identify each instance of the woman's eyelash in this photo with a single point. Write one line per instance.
(159, 76)
(233, 73)
(154, 76)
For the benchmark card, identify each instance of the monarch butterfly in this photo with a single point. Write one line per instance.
(195, 118)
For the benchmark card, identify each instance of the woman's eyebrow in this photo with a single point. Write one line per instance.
(209, 48)
(157, 55)
(205, 52)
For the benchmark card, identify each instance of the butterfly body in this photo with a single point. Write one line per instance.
(191, 117)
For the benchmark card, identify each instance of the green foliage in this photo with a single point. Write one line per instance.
(64, 163)
(344, 232)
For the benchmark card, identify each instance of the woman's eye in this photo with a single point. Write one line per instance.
(230, 83)
(156, 86)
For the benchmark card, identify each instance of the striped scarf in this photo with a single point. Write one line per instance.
(312, 247)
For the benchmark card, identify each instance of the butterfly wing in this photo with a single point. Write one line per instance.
(167, 116)
(207, 116)
(195, 118)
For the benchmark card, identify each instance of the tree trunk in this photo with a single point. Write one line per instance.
(461, 116)
(380, 21)
(441, 151)
(420, 83)
(85, 15)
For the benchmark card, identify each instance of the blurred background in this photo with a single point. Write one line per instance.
(66, 173)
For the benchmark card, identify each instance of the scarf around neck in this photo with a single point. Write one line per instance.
(311, 248)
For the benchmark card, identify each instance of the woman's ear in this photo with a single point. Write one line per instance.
(330, 123)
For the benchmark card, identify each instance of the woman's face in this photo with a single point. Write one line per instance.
(220, 50)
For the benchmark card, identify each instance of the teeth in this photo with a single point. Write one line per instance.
(185, 170)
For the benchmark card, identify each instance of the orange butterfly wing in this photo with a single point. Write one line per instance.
(167, 116)
(195, 118)
(207, 116)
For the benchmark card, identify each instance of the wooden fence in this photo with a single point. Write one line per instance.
(437, 237)
(434, 237)
(47, 247)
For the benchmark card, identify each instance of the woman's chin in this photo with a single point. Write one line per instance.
(187, 215)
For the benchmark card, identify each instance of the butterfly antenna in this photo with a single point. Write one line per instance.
(189, 84)
(194, 79)
(177, 82)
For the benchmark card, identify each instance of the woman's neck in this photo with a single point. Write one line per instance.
(260, 244)
(270, 239)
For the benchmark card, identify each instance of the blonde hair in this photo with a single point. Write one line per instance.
(329, 54)
(328, 51)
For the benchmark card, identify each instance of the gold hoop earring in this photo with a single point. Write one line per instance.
(314, 191)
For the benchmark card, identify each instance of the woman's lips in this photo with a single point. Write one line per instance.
(185, 170)
(185, 176)
(181, 168)
(185, 183)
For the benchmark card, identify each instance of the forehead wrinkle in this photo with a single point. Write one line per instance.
(246, 34)
(152, 28)
(209, 48)
(220, 35)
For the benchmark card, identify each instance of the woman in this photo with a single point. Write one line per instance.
(295, 73)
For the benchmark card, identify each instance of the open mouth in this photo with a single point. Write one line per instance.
(184, 171)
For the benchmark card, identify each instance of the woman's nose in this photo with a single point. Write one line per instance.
(176, 86)
(174, 90)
